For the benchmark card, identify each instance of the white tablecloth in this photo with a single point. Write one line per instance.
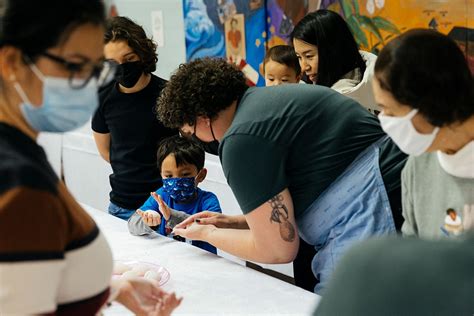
(210, 285)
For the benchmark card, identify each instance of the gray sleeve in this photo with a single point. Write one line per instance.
(409, 227)
(176, 218)
(137, 227)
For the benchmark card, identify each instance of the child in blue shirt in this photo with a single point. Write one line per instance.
(181, 164)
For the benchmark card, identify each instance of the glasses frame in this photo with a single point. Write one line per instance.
(73, 68)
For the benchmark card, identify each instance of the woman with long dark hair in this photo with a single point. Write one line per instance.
(330, 56)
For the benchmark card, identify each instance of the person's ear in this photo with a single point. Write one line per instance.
(298, 79)
(203, 120)
(201, 176)
(11, 63)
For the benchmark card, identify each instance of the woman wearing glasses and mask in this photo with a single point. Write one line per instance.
(125, 127)
(53, 257)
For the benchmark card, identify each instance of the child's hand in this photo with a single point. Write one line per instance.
(150, 218)
(164, 209)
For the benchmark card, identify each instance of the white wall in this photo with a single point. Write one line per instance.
(174, 50)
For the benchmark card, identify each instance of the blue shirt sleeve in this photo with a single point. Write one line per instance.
(210, 203)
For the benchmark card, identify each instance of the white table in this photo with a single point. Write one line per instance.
(210, 285)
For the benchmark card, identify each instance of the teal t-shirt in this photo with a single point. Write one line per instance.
(301, 137)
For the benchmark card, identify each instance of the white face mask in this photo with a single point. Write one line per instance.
(404, 134)
(461, 164)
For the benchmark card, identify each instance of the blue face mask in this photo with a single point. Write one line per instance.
(180, 189)
(64, 108)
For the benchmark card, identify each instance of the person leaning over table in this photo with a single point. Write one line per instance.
(432, 119)
(54, 260)
(289, 153)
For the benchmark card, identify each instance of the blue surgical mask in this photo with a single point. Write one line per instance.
(180, 189)
(64, 108)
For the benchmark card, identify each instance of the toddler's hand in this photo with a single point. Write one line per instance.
(164, 209)
(150, 217)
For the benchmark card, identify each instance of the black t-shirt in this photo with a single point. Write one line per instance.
(301, 137)
(135, 133)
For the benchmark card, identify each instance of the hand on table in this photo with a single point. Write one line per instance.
(194, 231)
(145, 298)
(212, 218)
(150, 217)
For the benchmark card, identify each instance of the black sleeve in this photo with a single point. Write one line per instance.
(99, 124)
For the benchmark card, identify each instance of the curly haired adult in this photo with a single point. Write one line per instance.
(202, 87)
(121, 28)
(280, 148)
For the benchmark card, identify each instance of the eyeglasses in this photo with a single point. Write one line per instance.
(81, 73)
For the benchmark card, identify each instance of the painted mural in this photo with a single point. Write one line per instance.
(374, 22)
(208, 31)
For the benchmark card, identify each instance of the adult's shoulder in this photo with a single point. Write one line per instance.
(24, 164)
(18, 171)
(158, 82)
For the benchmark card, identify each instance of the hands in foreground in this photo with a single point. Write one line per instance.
(144, 297)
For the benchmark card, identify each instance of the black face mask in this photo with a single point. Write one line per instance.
(129, 73)
(211, 147)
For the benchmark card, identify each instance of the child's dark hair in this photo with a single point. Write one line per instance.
(283, 54)
(185, 151)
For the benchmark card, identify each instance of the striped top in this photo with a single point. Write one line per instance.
(53, 258)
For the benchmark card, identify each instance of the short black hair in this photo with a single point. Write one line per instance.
(450, 210)
(283, 54)
(35, 26)
(121, 28)
(185, 151)
(338, 52)
(427, 70)
(202, 87)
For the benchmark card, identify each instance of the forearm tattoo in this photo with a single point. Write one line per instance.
(280, 215)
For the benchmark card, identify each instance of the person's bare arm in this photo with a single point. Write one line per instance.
(272, 236)
(102, 142)
(217, 219)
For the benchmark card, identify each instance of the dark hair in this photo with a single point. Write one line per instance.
(428, 71)
(121, 28)
(283, 54)
(185, 151)
(202, 87)
(35, 26)
(338, 52)
(450, 210)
